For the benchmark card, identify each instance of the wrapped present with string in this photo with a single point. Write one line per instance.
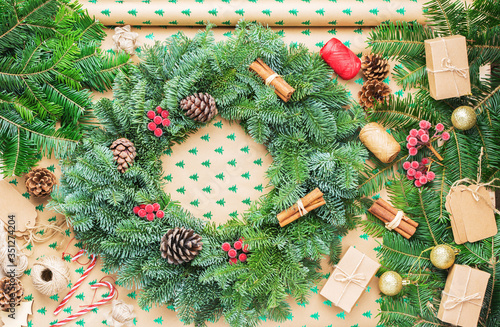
(309, 202)
(349, 279)
(447, 67)
(463, 296)
(472, 212)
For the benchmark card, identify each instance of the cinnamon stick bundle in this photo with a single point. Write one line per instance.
(387, 213)
(311, 201)
(281, 88)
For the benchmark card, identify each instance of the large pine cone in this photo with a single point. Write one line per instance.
(123, 153)
(40, 181)
(180, 245)
(373, 91)
(375, 67)
(200, 107)
(11, 292)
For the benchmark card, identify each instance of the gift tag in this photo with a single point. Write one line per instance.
(472, 217)
(15, 210)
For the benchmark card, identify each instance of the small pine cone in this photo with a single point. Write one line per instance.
(11, 292)
(180, 245)
(373, 91)
(123, 153)
(375, 67)
(200, 107)
(40, 181)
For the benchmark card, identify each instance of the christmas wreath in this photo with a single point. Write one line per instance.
(111, 190)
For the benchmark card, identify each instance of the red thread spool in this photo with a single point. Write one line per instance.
(343, 61)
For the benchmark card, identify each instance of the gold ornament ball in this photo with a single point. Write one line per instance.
(390, 283)
(442, 256)
(463, 118)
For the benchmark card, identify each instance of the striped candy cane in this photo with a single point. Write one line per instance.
(80, 280)
(112, 291)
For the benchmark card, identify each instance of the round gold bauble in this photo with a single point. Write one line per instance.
(390, 283)
(463, 118)
(442, 256)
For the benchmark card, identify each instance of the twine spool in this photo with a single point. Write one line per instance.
(379, 142)
(121, 314)
(50, 275)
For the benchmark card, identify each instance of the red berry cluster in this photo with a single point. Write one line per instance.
(419, 172)
(159, 120)
(233, 254)
(149, 211)
(418, 138)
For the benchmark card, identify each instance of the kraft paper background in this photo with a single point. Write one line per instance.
(235, 188)
(272, 12)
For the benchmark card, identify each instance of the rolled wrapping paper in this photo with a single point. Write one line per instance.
(271, 12)
(379, 142)
(342, 60)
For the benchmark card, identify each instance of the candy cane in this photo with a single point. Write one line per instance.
(91, 307)
(79, 282)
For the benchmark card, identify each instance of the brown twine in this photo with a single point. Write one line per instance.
(475, 194)
(50, 275)
(33, 235)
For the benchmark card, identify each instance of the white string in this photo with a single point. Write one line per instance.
(271, 78)
(352, 278)
(302, 209)
(452, 303)
(396, 221)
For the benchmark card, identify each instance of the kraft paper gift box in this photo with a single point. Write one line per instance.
(349, 279)
(471, 213)
(463, 296)
(447, 67)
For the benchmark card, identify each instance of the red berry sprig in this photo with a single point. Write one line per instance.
(237, 252)
(419, 172)
(421, 137)
(159, 120)
(149, 211)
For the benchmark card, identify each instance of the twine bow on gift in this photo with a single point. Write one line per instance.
(452, 303)
(461, 300)
(343, 277)
(125, 40)
(396, 221)
(447, 66)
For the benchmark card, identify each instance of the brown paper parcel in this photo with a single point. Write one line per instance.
(472, 216)
(463, 296)
(447, 67)
(349, 279)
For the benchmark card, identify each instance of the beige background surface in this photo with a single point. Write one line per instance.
(318, 312)
(273, 12)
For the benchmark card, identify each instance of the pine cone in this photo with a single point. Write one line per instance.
(373, 91)
(40, 181)
(11, 292)
(180, 245)
(375, 67)
(123, 153)
(200, 107)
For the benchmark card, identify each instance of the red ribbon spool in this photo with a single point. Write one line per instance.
(343, 61)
